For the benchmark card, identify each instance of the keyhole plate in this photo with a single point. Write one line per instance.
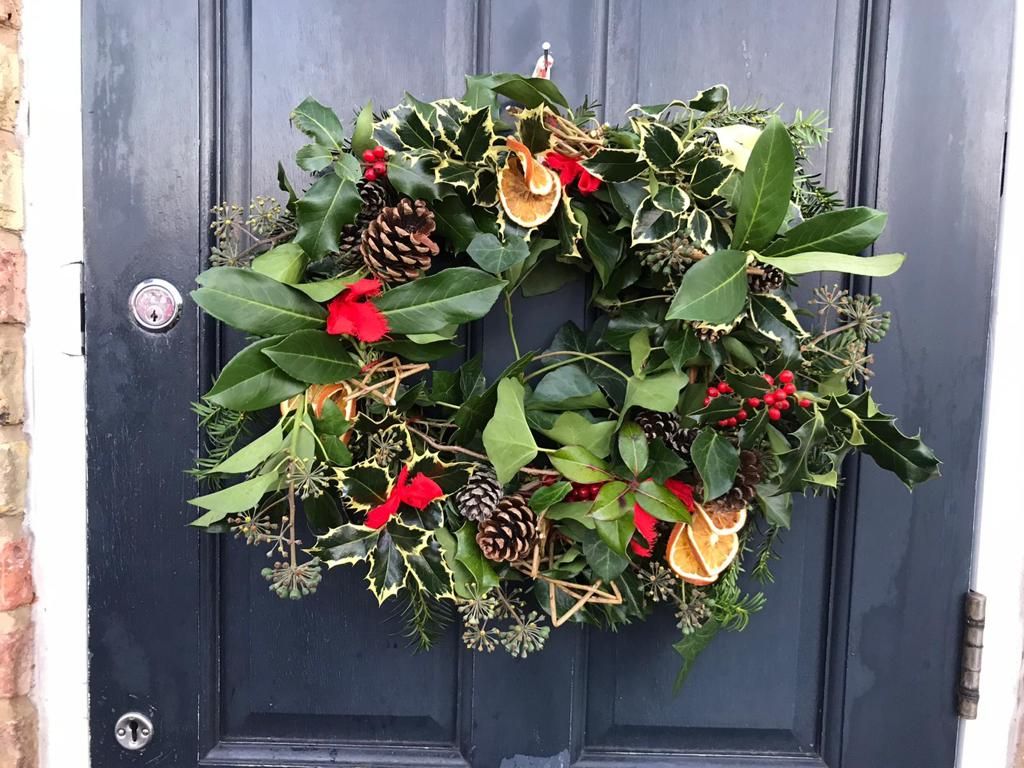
(155, 304)
(133, 730)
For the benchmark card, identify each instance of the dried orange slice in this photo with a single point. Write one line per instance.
(683, 559)
(715, 550)
(528, 191)
(723, 519)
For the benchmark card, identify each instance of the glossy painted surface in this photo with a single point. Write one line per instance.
(853, 663)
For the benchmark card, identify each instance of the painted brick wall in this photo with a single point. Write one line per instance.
(18, 737)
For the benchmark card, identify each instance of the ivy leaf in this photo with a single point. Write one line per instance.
(234, 499)
(254, 303)
(319, 123)
(252, 455)
(314, 357)
(413, 177)
(454, 222)
(567, 388)
(661, 503)
(469, 555)
(250, 381)
(286, 263)
(508, 440)
(882, 265)
(765, 188)
(658, 393)
(346, 545)
(451, 297)
(330, 204)
(579, 465)
(850, 230)
(691, 646)
(633, 447)
(362, 131)
(494, 256)
(663, 462)
(604, 561)
(716, 461)
(477, 409)
(616, 534)
(572, 428)
(713, 290)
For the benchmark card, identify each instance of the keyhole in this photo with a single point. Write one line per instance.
(133, 726)
(154, 315)
(133, 731)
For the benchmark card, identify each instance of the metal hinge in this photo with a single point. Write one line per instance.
(72, 321)
(970, 657)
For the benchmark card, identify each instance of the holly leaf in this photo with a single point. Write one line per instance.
(314, 157)
(615, 165)
(451, 297)
(319, 123)
(250, 381)
(907, 457)
(660, 145)
(777, 507)
(652, 224)
(765, 188)
(795, 475)
(475, 135)
(495, 256)
(681, 346)
(388, 568)
(345, 545)
(508, 440)
(428, 570)
(716, 461)
(713, 290)
(330, 204)
(413, 177)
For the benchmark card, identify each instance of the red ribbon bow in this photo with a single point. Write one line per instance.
(352, 313)
(418, 493)
(569, 170)
(646, 524)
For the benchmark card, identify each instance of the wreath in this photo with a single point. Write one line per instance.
(650, 458)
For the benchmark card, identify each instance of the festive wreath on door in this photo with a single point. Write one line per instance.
(646, 460)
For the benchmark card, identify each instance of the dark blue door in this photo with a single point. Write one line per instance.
(854, 664)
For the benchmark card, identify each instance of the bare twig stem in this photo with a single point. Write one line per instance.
(467, 452)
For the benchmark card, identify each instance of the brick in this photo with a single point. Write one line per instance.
(16, 587)
(10, 13)
(10, 80)
(12, 374)
(18, 726)
(16, 654)
(12, 208)
(12, 281)
(13, 473)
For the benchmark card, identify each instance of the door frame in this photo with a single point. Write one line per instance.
(57, 513)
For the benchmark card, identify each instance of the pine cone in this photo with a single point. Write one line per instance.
(508, 534)
(477, 499)
(772, 279)
(396, 246)
(662, 426)
(749, 474)
(709, 333)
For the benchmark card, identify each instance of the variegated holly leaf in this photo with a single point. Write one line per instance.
(345, 545)
(365, 485)
(774, 318)
(659, 145)
(450, 115)
(456, 173)
(698, 228)
(428, 570)
(532, 130)
(570, 230)
(709, 174)
(450, 476)
(486, 192)
(652, 224)
(388, 565)
(475, 136)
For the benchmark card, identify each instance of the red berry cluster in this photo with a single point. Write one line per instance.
(776, 399)
(374, 165)
(584, 491)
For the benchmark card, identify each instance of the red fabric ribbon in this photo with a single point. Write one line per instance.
(646, 524)
(570, 170)
(352, 313)
(418, 493)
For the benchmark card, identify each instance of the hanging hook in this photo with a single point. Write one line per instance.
(542, 68)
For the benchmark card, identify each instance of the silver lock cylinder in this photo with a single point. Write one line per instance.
(155, 305)
(133, 731)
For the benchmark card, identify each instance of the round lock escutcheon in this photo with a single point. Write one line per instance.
(133, 731)
(155, 305)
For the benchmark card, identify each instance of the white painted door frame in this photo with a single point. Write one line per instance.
(51, 118)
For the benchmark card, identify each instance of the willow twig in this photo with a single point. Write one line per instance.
(467, 452)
